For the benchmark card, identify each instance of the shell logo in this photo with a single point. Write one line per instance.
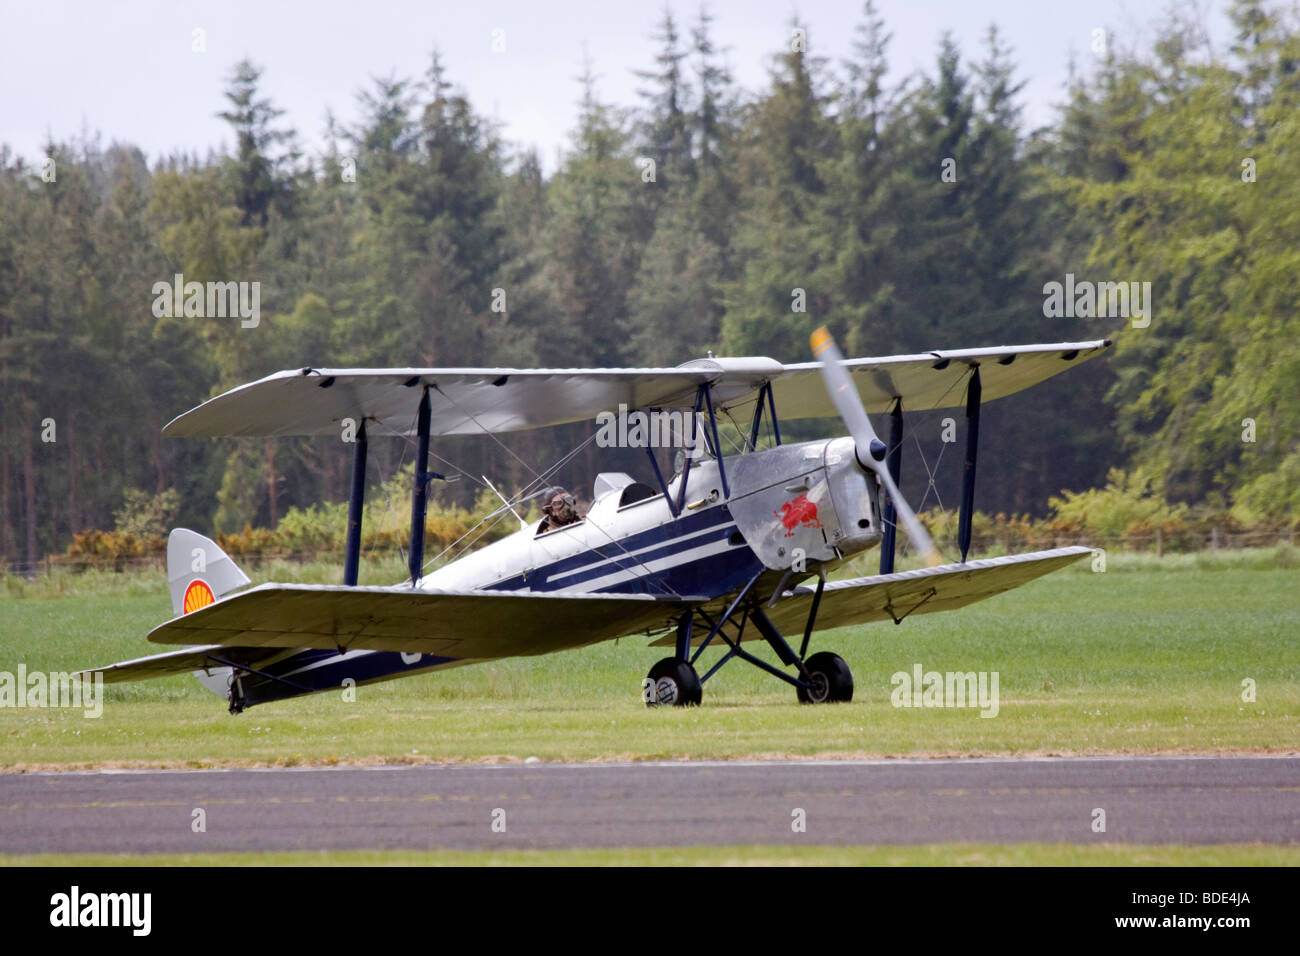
(197, 595)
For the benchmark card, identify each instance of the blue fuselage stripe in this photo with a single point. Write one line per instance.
(712, 575)
(679, 536)
(331, 671)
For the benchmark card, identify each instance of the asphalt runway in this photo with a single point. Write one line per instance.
(1194, 800)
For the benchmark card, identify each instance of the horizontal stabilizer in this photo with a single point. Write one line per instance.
(181, 662)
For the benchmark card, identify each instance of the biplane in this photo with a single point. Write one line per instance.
(728, 549)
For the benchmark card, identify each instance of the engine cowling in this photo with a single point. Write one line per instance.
(810, 501)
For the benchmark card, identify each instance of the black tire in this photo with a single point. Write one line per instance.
(672, 683)
(832, 680)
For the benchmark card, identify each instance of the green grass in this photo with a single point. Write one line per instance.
(953, 854)
(64, 582)
(1128, 661)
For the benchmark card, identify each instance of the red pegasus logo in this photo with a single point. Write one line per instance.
(798, 512)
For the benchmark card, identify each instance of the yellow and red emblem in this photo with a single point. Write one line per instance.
(197, 595)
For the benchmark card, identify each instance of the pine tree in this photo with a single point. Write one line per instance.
(599, 221)
(782, 241)
(260, 172)
(665, 129)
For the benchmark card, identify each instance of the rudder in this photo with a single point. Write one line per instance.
(198, 571)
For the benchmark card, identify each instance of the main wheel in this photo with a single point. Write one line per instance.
(672, 683)
(832, 681)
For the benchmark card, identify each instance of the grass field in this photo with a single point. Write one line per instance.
(1148, 657)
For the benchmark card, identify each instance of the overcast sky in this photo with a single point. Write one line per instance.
(128, 71)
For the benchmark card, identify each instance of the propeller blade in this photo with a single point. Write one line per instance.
(844, 396)
(845, 399)
(903, 512)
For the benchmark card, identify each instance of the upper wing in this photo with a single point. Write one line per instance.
(885, 597)
(931, 380)
(474, 400)
(479, 625)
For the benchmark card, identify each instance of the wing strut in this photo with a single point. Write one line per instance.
(888, 520)
(659, 476)
(686, 466)
(771, 410)
(968, 473)
(764, 396)
(717, 445)
(356, 500)
(419, 499)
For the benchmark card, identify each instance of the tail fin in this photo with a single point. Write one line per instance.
(198, 571)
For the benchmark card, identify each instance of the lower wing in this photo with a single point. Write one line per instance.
(482, 625)
(886, 597)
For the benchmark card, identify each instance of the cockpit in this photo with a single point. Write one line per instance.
(629, 490)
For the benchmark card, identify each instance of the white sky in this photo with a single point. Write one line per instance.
(126, 69)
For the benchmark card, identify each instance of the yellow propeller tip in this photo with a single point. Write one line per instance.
(820, 339)
(933, 559)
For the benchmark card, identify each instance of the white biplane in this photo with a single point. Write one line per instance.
(724, 552)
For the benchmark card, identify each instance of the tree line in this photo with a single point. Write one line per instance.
(907, 217)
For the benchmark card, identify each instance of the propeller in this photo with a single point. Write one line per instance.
(849, 405)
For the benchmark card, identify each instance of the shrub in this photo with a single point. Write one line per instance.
(1131, 504)
(144, 515)
(110, 549)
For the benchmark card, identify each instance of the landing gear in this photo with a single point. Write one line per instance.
(672, 682)
(830, 680)
(822, 678)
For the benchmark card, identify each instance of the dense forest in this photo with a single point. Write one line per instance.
(705, 217)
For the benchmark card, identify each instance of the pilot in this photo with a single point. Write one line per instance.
(560, 509)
